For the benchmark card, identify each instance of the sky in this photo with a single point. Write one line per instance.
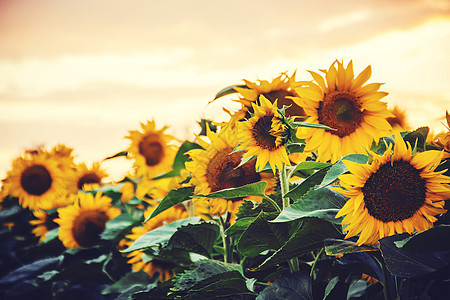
(84, 73)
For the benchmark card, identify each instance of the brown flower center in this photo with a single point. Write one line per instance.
(88, 226)
(151, 148)
(36, 180)
(293, 110)
(261, 133)
(394, 192)
(340, 111)
(87, 179)
(221, 172)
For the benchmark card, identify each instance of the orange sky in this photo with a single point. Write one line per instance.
(84, 73)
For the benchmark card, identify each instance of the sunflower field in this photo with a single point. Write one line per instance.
(313, 189)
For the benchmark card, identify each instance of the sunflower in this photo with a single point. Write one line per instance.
(151, 150)
(215, 167)
(398, 192)
(35, 179)
(84, 176)
(443, 139)
(281, 89)
(262, 136)
(45, 218)
(353, 110)
(44, 223)
(398, 121)
(82, 223)
(174, 213)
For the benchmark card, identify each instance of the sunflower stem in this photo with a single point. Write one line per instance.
(274, 204)
(315, 261)
(226, 242)
(389, 291)
(284, 183)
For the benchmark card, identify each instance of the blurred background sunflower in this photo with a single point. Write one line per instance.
(64, 65)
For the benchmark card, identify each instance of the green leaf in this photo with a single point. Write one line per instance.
(239, 226)
(197, 238)
(119, 154)
(262, 235)
(310, 236)
(432, 240)
(228, 90)
(203, 269)
(313, 125)
(180, 159)
(417, 138)
(117, 226)
(330, 286)
(323, 203)
(337, 247)
(308, 166)
(174, 197)
(208, 280)
(291, 286)
(160, 235)
(204, 123)
(407, 264)
(306, 185)
(51, 236)
(30, 270)
(339, 168)
(252, 189)
(128, 281)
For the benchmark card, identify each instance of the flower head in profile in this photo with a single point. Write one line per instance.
(82, 223)
(280, 89)
(264, 136)
(217, 167)
(398, 192)
(353, 110)
(398, 121)
(152, 150)
(443, 139)
(35, 179)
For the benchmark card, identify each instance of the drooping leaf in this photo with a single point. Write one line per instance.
(262, 235)
(117, 226)
(252, 189)
(339, 168)
(338, 246)
(322, 203)
(174, 197)
(309, 236)
(407, 264)
(119, 154)
(292, 286)
(432, 240)
(197, 238)
(228, 90)
(160, 235)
